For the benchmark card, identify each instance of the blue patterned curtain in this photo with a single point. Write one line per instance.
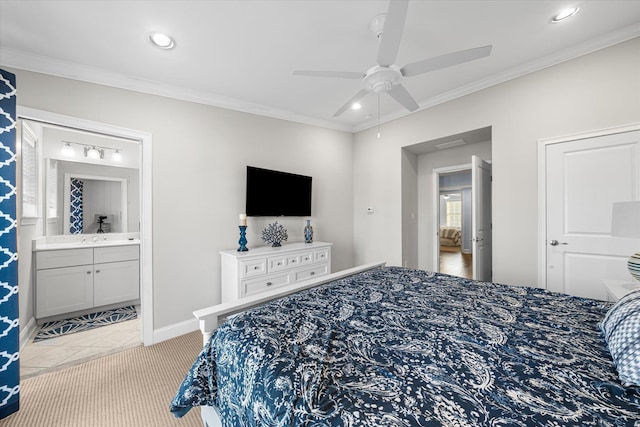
(75, 217)
(9, 327)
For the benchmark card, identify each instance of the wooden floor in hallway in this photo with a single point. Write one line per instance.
(456, 263)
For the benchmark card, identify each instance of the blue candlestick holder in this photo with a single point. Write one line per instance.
(243, 239)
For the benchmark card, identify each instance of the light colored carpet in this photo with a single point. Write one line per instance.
(130, 388)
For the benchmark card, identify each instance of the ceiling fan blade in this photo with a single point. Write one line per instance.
(335, 74)
(446, 60)
(400, 94)
(392, 32)
(357, 97)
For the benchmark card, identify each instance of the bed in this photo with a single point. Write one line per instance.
(391, 346)
(450, 236)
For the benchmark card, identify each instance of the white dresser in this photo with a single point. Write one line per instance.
(265, 268)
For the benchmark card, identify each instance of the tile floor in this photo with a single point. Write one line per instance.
(55, 353)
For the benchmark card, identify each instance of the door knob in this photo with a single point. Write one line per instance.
(556, 243)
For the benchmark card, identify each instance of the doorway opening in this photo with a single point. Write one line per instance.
(453, 218)
(130, 215)
(454, 224)
(462, 219)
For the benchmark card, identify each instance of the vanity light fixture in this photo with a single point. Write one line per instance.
(162, 41)
(94, 152)
(67, 150)
(116, 156)
(566, 13)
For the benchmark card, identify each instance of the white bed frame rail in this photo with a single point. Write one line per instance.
(210, 317)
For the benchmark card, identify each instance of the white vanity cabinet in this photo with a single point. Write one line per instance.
(70, 280)
(116, 274)
(265, 268)
(64, 281)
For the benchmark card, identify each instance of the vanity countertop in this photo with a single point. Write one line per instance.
(52, 243)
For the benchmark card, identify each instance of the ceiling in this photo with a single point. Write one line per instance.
(241, 54)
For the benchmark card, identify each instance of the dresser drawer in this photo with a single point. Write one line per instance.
(293, 261)
(321, 255)
(309, 273)
(277, 263)
(306, 258)
(63, 258)
(253, 267)
(254, 286)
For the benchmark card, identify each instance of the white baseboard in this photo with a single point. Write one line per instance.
(175, 330)
(26, 331)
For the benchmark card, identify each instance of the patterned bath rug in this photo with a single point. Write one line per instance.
(84, 323)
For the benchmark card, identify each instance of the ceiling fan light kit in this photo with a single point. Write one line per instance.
(386, 76)
(381, 79)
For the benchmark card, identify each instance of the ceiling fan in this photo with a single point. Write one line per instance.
(386, 76)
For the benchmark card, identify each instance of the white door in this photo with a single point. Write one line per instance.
(481, 218)
(584, 178)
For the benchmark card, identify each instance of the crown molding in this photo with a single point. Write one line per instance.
(47, 65)
(75, 71)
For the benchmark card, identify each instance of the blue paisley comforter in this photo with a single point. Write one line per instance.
(401, 347)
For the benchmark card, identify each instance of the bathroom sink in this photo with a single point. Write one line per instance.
(88, 241)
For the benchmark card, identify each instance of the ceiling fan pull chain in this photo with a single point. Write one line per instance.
(378, 115)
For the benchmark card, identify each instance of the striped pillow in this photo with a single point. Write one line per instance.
(621, 330)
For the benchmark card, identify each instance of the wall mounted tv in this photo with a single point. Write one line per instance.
(274, 193)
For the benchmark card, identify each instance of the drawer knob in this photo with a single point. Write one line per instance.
(279, 263)
(269, 283)
(313, 273)
(88, 272)
(293, 261)
(255, 268)
(97, 271)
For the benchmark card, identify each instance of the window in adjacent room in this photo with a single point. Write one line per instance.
(453, 209)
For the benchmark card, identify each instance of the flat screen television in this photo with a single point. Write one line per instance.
(274, 193)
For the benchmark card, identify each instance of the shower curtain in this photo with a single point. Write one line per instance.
(75, 217)
(9, 324)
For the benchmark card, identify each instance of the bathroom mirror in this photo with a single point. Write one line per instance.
(83, 192)
(78, 195)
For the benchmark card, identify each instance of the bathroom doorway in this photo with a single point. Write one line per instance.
(133, 162)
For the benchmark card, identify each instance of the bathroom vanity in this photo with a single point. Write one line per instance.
(82, 275)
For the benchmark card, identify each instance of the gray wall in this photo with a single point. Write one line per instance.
(595, 91)
(199, 158)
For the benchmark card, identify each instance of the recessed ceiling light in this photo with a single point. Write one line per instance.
(162, 41)
(566, 13)
(356, 106)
